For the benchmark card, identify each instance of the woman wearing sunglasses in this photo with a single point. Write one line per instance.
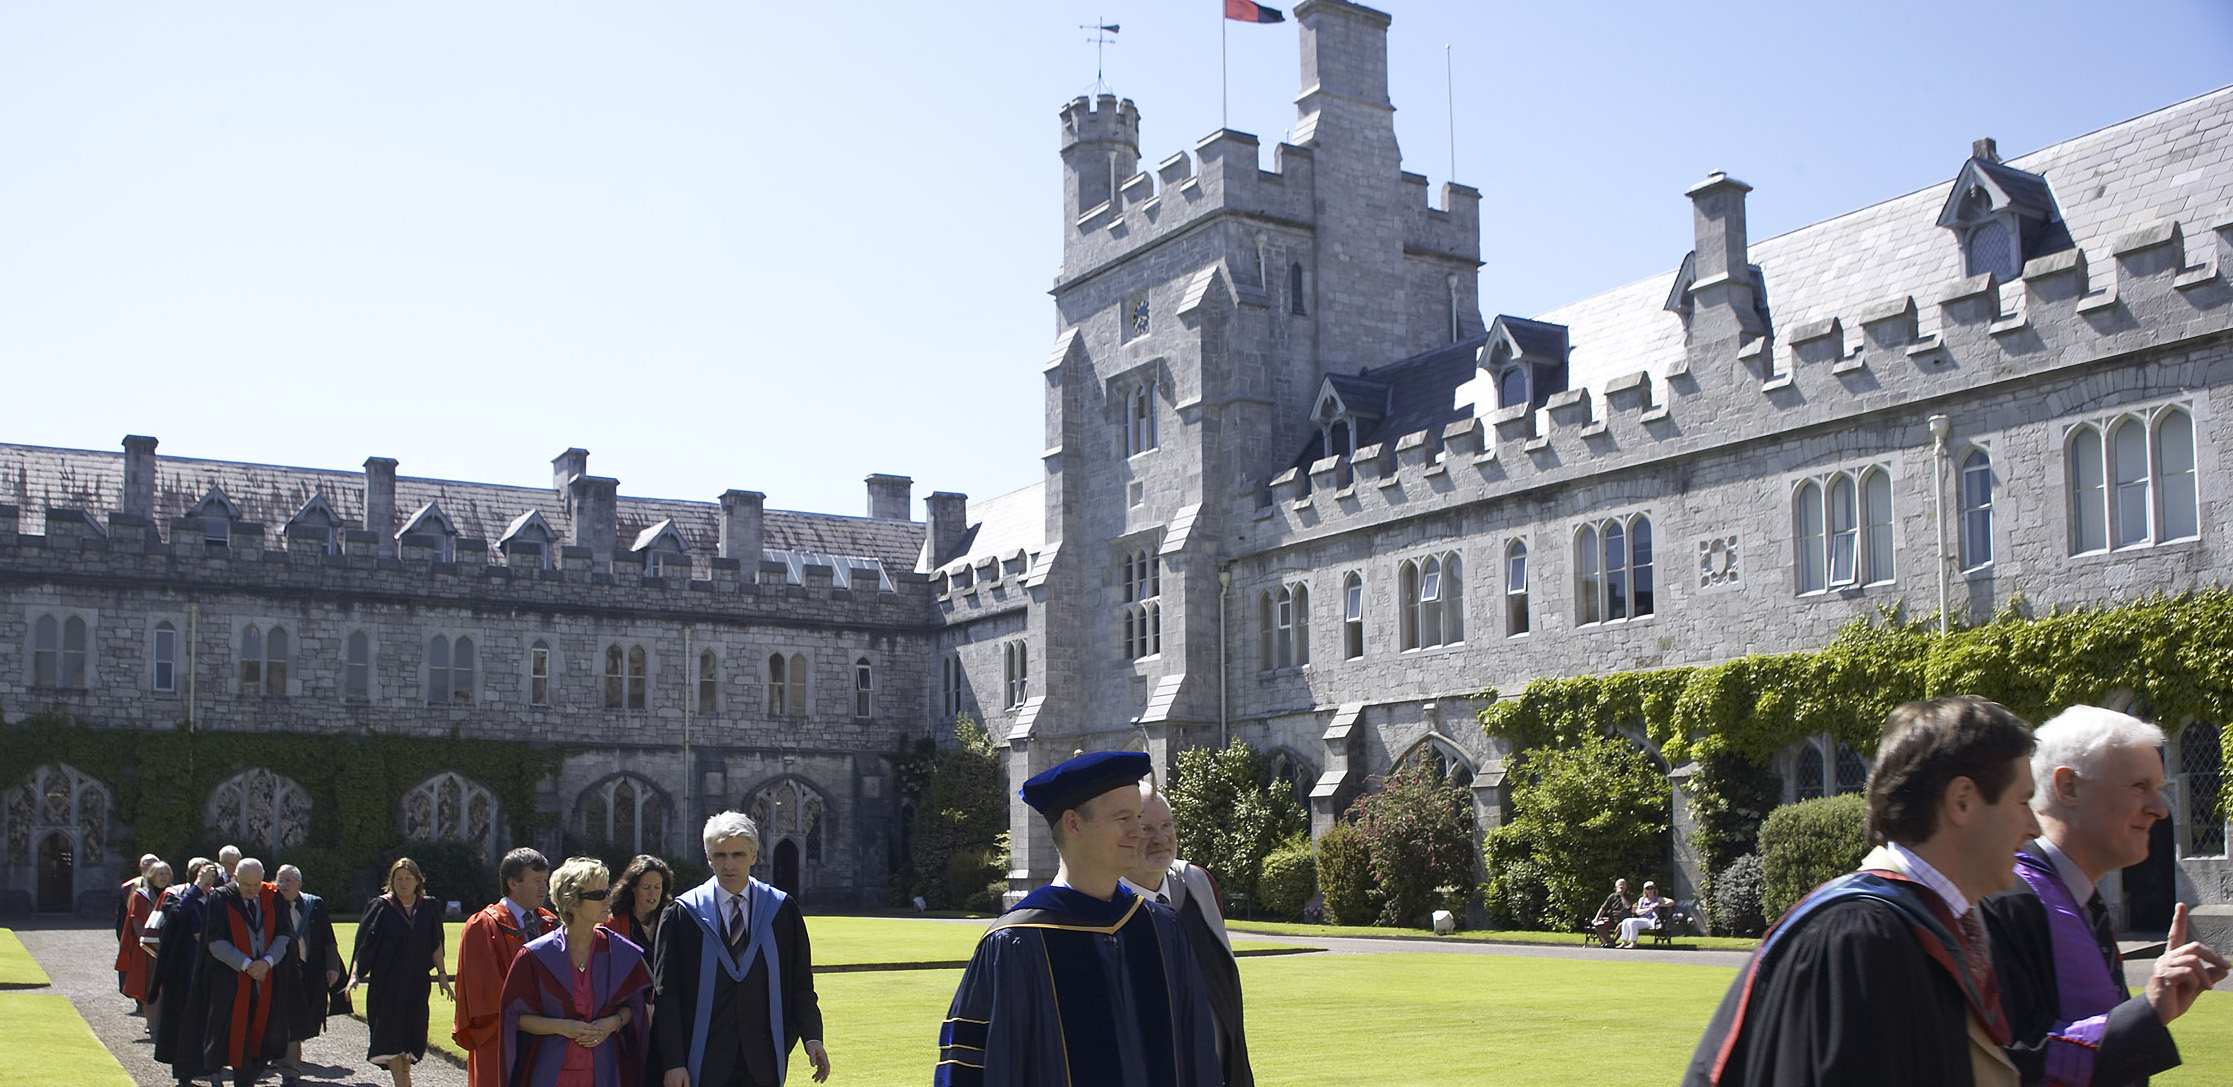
(574, 1000)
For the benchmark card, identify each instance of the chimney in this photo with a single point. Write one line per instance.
(592, 508)
(946, 517)
(1985, 148)
(1722, 299)
(139, 476)
(891, 498)
(567, 467)
(379, 502)
(742, 534)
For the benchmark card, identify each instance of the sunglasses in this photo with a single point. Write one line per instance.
(597, 895)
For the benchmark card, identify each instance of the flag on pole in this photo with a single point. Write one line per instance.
(1242, 11)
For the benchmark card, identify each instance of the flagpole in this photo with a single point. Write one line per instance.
(1450, 110)
(1224, 110)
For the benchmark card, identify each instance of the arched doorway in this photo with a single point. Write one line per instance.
(57, 873)
(787, 867)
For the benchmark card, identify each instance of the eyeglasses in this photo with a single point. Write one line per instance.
(597, 895)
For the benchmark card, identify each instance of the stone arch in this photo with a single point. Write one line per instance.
(1817, 766)
(66, 811)
(1456, 766)
(265, 812)
(1288, 767)
(791, 808)
(452, 807)
(623, 812)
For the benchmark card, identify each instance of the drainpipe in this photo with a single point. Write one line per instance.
(1940, 427)
(193, 674)
(689, 716)
(1224, 590)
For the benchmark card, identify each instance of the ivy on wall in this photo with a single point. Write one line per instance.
(160, 780)
(2172, 653)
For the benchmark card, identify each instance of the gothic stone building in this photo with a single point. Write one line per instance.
(1297, 490)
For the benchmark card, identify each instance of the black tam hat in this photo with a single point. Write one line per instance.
(1060, 788)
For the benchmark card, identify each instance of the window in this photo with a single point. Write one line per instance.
(864, 688)
(166, 656)
(1845, 533)
(1139, 419)
(1876, 521)
(1353, 616)
(46, 652)
(794, 699)
(1810, 772)
(1809, 535)
(624, 814)
(1515, 589)
(538, 673)
(2135, 488)
(264, 811)
(1824, 767)
(357, 677)
(451, 807)
(1016, 670)
(778, 685)
(1843, 530)
(73, 653)
(1614, 579)
(1141, 615)
(1432, 612)
(708, 681)
(950, 684)
(1993, 249)
(1285, 641)
(2201, 779)
(616, 677)
(1976, 491)
(1295, 289)
(263, 661)
(638, 677)
(449, 671)
(276, 652)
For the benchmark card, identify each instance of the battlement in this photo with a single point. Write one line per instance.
(1103, 120)
(2144, 291)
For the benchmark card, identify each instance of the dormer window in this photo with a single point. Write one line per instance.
(2001, 216)
(317, 520)
(529, 540)
(1526, 358)
(658, 544)
(430, 527)
(217, 513)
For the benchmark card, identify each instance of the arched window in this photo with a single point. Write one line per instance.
(639, 679)
(1140, 616)
(357, 667)
(2201, 788)
(794, 701)
(1644, 597)
(166, 656)
(790, 810)
(1876, 524)
(622, 814)
(2128, 474)
(538, 673)
(864, 688)
(252, 660)
(778, 685)
(450, 807)
(1139, 419)
(1295, 289)
(55, 798)
(2177, 517)
(1808, 513)
(2089, 517)
(1809, 770)
(1515, 589)
(616, 677)
(1291, 770)
(46, 652)
(1853, 771)
(1589, 578)
(2135, 487)
(708, 681)
(951, 682)
(437, 670)
(1353, 616)
(1429, 601)
(1845, 532)
(1614, 575)
(260, 810)
(1016, 670)
(1977, 509)
(1450, 765)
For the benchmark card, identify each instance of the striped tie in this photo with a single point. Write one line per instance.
(736, 924)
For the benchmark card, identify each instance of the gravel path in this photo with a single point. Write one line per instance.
(79, 959)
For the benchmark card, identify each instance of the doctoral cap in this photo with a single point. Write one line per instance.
(1060, 788)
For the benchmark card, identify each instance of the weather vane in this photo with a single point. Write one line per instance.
(1104, 34)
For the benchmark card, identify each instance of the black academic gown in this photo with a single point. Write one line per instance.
(313, 952)
(1841, 993)
(1221, 977)
(2073, 1018)
(1069, 989)
(238, 1025)
(170, 983)
(395, 959)
(737, 1031)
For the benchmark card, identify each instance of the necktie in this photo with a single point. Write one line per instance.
(1977, 957)
(736, 923)
(2105, 935)
(530, 924)
(1163, 898)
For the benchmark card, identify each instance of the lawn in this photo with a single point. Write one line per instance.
(18, 970)
(47, 1042)
(1496, 936)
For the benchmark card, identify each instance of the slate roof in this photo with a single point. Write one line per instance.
(36, 477)
(998, 528)
(1420, 392)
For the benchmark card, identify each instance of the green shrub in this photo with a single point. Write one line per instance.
(1803, 844)
(1290, 876)
(454, 872)
(1418, 831)
(960, 819)
(1231, 814)
(1582, 817)
(1732, 898)
(1345, 875)
(324, 873)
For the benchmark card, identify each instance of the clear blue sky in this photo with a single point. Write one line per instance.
(781, 246)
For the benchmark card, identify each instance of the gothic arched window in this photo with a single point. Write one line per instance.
(260, 810)
(622, 814)
(450, 807)
(790, 809)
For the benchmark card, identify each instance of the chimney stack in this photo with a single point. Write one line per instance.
(743, 534)
(592, 510)
(946, 521)
(139, 476)
(891, 498)
(567, 467)
(1985, 148)
(1722, 299)
(379, 502)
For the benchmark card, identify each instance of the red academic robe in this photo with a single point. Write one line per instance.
(131, 960)
(485, 952)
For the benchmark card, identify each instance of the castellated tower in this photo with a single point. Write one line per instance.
(1200, 304)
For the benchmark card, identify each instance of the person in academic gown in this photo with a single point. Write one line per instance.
(1083, 983)
(490, 941)
(313, 969)
(1191, 892)
(2062, 979)
(1881, 976)
(641, 896)
(132, 960)
(234, 993)
(125, 891)
(398, 943)
(177, 933)
(574, 1001)
(733, 974)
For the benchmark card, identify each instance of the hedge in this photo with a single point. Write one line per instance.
(1803, 844)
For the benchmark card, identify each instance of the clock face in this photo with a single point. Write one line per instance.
(1140, 316)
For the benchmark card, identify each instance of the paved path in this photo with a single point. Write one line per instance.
(80, 961)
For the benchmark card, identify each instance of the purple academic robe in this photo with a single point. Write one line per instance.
(541, 983)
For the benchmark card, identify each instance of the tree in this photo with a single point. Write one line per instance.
(1230, 813)
(1418, 830)
(961, 823)
(1804, 844)
(1583, 817)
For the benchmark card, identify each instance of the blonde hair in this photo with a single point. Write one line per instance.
(571, 879)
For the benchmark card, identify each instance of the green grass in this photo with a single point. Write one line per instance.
(47, 1042)
(18, 970)
(2205, 1037)
(1499, 936)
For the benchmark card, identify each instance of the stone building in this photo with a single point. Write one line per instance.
(1297, 490)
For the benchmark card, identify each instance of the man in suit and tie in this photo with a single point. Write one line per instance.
(732, 974)
(313, 965)
(1189, 890)
(486, 947)
(2062, 980)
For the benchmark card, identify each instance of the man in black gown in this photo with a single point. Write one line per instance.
(234, 994)
(1882, 976)
(311, 971)
(1190, 891)
(2062, 980)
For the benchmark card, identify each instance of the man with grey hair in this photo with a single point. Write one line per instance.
(733, 975)
(311, 969)
(228, 857)
(2100, 791)
(246, 932)
(1190, 891)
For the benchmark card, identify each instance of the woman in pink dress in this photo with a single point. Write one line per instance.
(574, 1000)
